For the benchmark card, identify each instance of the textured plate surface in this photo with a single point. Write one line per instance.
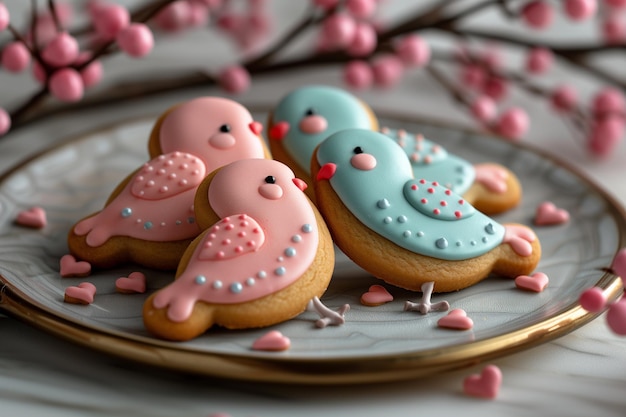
(376, 343)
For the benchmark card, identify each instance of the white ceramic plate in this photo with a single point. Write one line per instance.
(376, 343)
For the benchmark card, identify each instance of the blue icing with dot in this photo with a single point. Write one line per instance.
(455, 238)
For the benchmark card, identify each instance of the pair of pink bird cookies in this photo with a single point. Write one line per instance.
(250, 247)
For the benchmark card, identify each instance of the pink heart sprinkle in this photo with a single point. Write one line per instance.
(272, 341)
(549, 214)
(83, 293)
(456, 319)
(593, 299)
(376, 296)
(70, 267)
(616, 317)
(34, 217)
(134, 283)
(485, 385)
(536, 282)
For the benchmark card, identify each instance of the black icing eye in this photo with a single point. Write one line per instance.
(310, 111)
(357, 150)
(270, 179)
(225, 128)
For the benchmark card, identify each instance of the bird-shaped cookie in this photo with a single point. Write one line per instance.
(308, 115)
(410, 231)
(149, 218)
(267, 253)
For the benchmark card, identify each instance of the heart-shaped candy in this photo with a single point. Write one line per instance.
(34, 217)
(83, 293)
(272, 341)
(536, 282)
(485, 385)
(135, 283)
(377, 295)
(279, 131)
(70, 267)
(456, 319)
(549, 214)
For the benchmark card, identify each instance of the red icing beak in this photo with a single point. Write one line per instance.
(300, 184)
(279, 130)
(327, 171)
(256, 127)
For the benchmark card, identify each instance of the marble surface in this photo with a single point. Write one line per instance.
(580, 374)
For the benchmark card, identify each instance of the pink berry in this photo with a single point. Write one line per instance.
(414, 51)
(608, 100)
(66, 84)
(580, 9)
(483, 108)
(593, 299)
(513, 123)
(61, 51)
(5, 17)
(136, 40)
(173, 17)
(326, 4)
(39, 73)
(616, 317)
(605, 135)
(387, 70)
(617, 4)
(109, 20)
(364, 41)
(198, 14)
(234, 79)
(538, 14)
(361, 9)
(259, 23)
(473, 76)
(619, 263)
(564, 98)
(92, 73)
(613, 29)
(539, 60)
(338, 30)
(5, 121)
(358, 75)
(497, 88)
(15, 57)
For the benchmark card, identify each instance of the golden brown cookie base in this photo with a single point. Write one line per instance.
(490, 202)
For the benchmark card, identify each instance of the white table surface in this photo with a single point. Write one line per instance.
(580, 374)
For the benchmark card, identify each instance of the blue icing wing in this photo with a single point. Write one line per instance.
(431, 160)
(434, 200)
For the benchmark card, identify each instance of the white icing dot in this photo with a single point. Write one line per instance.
(217, 284)
(261, 274)
(236, 287)
(402, 219)
(280, 271)
(296, 238)
(250, 282)
(200, 280)
(290, 252)
(383, 204)
(419, 234)
(307, 228)
(407, 233)
(387, 220)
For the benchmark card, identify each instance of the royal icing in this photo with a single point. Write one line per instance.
(267, 238)
(157, 203)
(310, 114)
(419, 215)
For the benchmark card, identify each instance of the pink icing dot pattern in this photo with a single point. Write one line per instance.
(168, 175)
(436, 201)
(232, 237)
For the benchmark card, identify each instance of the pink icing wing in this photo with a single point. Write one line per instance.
(168, 175)
(231, 237)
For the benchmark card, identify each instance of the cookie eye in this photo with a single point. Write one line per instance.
(225, 128)
(310, 111)
(357, 150)
(270, 179)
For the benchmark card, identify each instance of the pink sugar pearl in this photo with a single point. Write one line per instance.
(5, 121)
(496, 88)
(235, 79)
(92, 73)
(564, 98)
(136, 40)
(618, 4)
(109, 20)
(613, 29)
(358, 75)
(483, 108)
(5, 17)
(15, 57)
(578, 10)
(174, 17)
(364, 41)
(198, 14)
(387, 70)
(414, 51)
(539, 60)
(608, 100)
(513, 123)
(61, 51)
(619, 263)
(338, 30)
(538, 14)
(616, 317)
(605, 135)
(66, 84)
(593, 299)
(361, 9)
(473, 76)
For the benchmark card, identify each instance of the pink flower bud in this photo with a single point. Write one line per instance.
(539, 60)
(414, 51)
(473, 76)
(136, 40)
(92, 73)
(387, 70)
(580, 9)
(109, 20)
(358, 75)
(617, 4)
(235, 79)
(39, 73)
(5, 121)
(364, 41)
(483, 108)
(5, 18)
(15, 57)
(564, 98)
(614, 29)
(338, 30)
(608, 100)
(66, 84)
(361, 9)
(538, 14)
(198, 14)
(497, 88)
(513, 123)
(326, 4)
(61, 51)
(174, 17)
(605, 135)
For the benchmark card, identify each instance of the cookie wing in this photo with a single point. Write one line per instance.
(231, 237)
(436, 201)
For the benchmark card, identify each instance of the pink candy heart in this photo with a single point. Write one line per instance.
(456, 319)
(34, 217)
(485, 385)
(134, 283)
(272, 341)
(549, 214)
(376, 296)
(83, 293)
(536, 282)
(70, 267)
